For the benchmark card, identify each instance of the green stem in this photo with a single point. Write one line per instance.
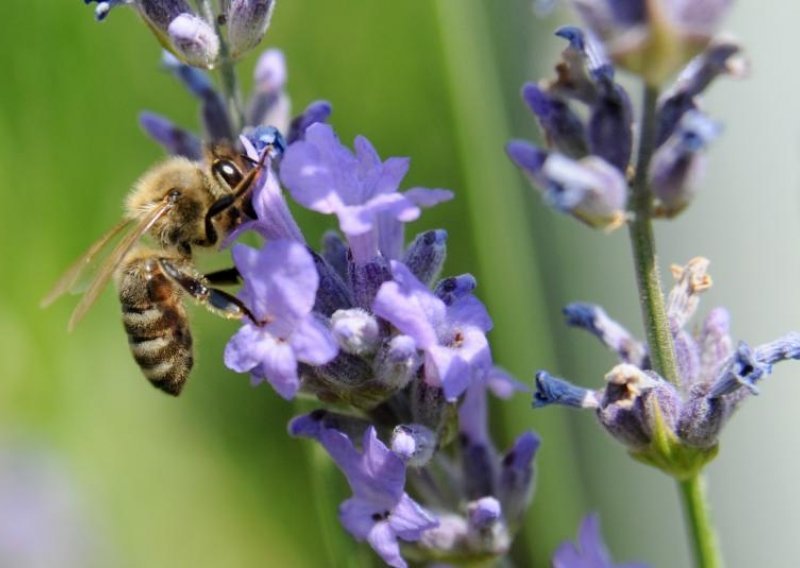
(227, 72)
(659, 338)
(696, 510)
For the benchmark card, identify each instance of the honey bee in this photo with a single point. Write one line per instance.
(181, 204)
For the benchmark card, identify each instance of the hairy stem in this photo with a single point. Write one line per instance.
(659, 338)
(698, 517)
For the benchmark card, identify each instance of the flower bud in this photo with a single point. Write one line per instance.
(426, 254)
(678, 163)
(563, 129)
(486, 530)
(356, 331)
(516, 479)
(193, 40)
(366, 278)
(397, 362)
(414, 443)
(247, 22)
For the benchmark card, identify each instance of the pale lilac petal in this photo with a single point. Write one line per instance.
(275, 221)
(280, 368)
(245, 350)
(382, 465)
(468, 310)
(280, 282)
(383, 540)
(473, 420)
(356, 220)
(313, 343)
(254, 290)
(502, 384)
(409, 520)
(342, 452)
(423, 197)
(312, 169)
(410, 306)
(394, 170)
(355, 515)
(446, 369)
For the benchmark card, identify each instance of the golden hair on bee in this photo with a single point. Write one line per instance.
(181, 205)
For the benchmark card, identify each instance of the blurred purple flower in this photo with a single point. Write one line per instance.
(647, 413)
(589, 551)
(453, 337)
(280, 284)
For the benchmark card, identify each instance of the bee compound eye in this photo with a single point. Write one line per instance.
(228, 172)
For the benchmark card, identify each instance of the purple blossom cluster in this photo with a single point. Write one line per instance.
(642, 409)
(397, 357)
(586, 168)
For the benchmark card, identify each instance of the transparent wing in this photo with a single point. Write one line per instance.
(71, 276)
(115, 257)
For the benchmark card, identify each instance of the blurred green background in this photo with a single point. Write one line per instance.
(212, 479)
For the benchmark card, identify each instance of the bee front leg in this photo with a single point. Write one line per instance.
(214, 300)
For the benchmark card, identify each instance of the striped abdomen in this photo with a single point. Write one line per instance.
(156, 323)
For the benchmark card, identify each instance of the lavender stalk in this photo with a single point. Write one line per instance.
(659, 336)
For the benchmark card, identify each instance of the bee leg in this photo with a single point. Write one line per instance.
(214, 300)
(226, 276)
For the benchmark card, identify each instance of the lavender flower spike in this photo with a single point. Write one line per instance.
(452, 337)
(280, 283)
(590, 550)
(380, 511)
(325, 176)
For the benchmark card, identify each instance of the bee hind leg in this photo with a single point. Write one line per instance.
(197, 286)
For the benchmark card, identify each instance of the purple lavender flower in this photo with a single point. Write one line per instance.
(176, 26)
(280, 284)
(589, 551)
(653, 39)
(673, 427)
(586, 173)
(380, 511)
(359, 188)
(452, 337)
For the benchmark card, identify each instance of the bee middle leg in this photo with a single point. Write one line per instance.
(197, 286)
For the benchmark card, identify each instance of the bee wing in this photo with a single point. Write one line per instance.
(71, 276)
(115, 257)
